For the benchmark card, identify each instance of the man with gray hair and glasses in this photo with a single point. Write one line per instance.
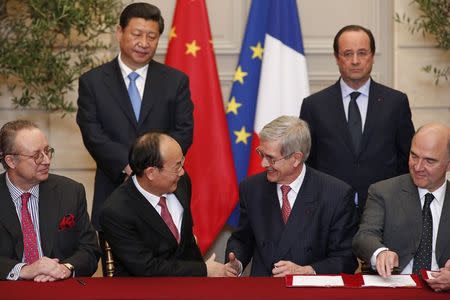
(45, 231)
(293, 219)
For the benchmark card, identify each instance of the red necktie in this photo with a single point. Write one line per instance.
(30, 245)
(165, 214)
(285, 207)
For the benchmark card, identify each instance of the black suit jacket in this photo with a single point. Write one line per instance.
(385, 142)
(58, 197)
(319, 230)
(393, 219)
(108, 124)
(141, 243)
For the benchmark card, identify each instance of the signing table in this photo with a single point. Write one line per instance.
(198, 288)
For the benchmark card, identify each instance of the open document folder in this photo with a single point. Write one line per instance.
(352, 281)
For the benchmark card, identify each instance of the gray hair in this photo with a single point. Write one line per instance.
(292, 132)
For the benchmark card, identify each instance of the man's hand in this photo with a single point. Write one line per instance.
(128, 172)
(233, 267)
(45, 269)
(386, 261)
(283, 268)
(214, 268)
(441, 280)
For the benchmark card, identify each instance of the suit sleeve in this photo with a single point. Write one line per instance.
(183, 129)
(110, 156)
(139, 259)
(342, 228)
(404, 134)
(305, 115)
(370, 234)
(242, 241)
(86, 255)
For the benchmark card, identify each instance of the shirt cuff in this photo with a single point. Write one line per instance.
(373, 259)
(15, 272)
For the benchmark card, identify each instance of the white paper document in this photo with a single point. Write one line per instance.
(299, 280)
(392, 281)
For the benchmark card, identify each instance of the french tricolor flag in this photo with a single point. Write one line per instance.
(271, 80)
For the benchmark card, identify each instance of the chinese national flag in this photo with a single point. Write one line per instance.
(209, 161)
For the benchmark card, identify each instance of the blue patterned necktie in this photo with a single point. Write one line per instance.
(134, 94)
(422, 259)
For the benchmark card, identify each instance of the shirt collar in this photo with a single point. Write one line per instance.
(346, 90)
(153, 199)
(439, 193)
(127, 70)
(297, 183)
(16, 192)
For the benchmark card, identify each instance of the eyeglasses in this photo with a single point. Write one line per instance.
(177, 169)
(360, 54)
(272, 161)
(38, 157)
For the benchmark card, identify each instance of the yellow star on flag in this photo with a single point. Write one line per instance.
(257, 51)
(242, 135)
(192, 48)
(239, 75)
(233, 106)
(172, 33)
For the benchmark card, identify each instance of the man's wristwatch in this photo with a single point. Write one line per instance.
(70, 267)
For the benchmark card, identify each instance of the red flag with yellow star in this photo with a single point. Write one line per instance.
(209, 161)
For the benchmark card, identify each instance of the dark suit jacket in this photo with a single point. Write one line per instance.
(108, 124)
(58, 197)
(393, 219)
(319, 230)
(141, 243)
(385, 142)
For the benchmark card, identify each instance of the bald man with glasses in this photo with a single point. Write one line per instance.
(293, 219)
(147, 221)
(45, 232)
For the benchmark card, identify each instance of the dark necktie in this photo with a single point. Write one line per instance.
(286, 206)
(422, 259)
(354, 120)
(134, 94)
(30, 245)
(167, 217)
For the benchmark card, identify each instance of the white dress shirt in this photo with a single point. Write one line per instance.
(295, 188)
(362, 101)
(140, 81)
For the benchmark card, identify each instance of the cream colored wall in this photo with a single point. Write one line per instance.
(397, 64)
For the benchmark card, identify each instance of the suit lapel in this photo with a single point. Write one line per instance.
(442, 242)
(303, 210)
(147, 212)
(8, 217)
(154, 79)
(118, 91)
(374, 106)
(49, 207)
(410, 206)
(338, 113)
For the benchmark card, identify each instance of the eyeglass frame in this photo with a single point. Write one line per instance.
(38, 157)
(183, 159)
(271, 161)
(360, 54)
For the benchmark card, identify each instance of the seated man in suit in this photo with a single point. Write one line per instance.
(406, 222)
(294, 219)
(147, 220)
(45, 233)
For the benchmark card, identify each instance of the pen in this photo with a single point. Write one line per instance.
(80, 281)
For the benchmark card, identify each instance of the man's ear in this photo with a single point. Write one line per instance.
(150, 172)
(10, 161)
(298, 158)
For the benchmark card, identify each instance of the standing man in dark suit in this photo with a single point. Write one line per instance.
(128, 96)
(406, 222)
(294, 219)
(45, 233)
(147, 220)
(361, 130)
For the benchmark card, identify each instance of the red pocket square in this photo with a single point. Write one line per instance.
(68, 221)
